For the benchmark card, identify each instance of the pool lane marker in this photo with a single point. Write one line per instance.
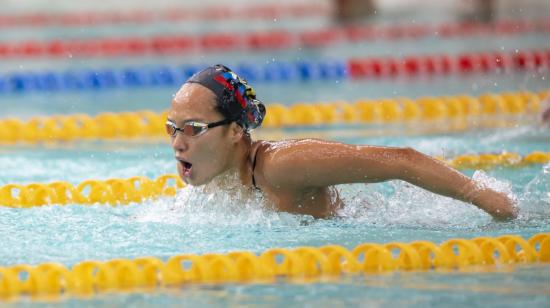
(244, 12)
(407, 68)
(50, 281)
(111, 191)
(269, 40)
(447, 113)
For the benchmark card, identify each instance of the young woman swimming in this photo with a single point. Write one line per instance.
(545, 114)
(209, 122)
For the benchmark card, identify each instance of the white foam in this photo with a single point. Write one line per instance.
(209, 204)
(410, 206)
(392, 203)
(536, 194)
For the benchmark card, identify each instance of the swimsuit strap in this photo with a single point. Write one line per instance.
(254, 167)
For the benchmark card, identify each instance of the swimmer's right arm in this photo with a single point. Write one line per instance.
(306, 164)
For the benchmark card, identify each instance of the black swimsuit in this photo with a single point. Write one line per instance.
(254, 167)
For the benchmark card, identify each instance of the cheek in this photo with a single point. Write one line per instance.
(212, 151)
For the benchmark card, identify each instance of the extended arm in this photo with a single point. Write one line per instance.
(304, 164)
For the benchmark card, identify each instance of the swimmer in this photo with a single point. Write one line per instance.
(210, 120)
(545, 114)
(353, 10)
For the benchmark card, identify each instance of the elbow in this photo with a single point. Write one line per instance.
(408, 160)
(410, 156)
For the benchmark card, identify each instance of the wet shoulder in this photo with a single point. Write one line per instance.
(266, 150)
(275, 162)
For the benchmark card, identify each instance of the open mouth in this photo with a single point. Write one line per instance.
(186, 167)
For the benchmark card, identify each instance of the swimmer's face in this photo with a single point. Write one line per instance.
(200, 158)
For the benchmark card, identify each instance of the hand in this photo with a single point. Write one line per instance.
(498, 204)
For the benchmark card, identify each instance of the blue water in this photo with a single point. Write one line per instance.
(201, 222)
(164, 227)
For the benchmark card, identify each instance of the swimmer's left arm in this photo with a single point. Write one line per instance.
(309, 163)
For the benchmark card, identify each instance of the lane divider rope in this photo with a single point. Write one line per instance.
(225, 41)
(177, 14)
(437, 65)
(136, 189)
(409, 67)
(454, 110)
(267, 40)
(112, 191)
(301, 264)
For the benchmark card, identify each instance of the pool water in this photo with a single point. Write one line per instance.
(202, 220)
(198, 222)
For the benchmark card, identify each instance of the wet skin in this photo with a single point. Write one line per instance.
(226, 148)
(298, 175)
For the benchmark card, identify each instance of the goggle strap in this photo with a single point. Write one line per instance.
(219, 123)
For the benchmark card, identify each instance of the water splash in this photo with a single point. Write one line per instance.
(395, 203)
(225, 202)
(486, 181)
(399, 203)
(222, 202)
(536, 194)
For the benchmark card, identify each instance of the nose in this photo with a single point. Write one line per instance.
(179, 143)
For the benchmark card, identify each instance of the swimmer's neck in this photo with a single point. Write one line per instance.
(241, 161)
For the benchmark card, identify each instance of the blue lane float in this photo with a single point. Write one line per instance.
(164, 76)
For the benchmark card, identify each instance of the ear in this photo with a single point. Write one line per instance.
(236, 132)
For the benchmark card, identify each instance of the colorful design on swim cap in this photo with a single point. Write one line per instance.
(237, 99)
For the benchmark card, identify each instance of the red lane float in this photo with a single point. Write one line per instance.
(268, 40)
(379, 67)
(175, 14)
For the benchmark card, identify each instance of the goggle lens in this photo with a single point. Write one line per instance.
(171, 129)
(193, 129)
(190, 129)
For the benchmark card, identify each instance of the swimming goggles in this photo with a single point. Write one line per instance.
(193, 128)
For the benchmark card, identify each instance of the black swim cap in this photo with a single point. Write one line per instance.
(236, 99)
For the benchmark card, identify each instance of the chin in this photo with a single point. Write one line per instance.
(195, 182)
(195, 179)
